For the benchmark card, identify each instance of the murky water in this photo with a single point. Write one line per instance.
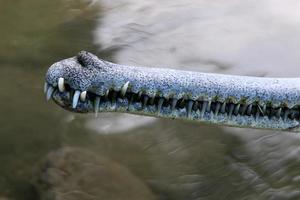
(49, 153)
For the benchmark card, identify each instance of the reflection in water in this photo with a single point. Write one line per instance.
(167, 159)
(33, 34)
(71, 174)
(243, 37)
(109, 123)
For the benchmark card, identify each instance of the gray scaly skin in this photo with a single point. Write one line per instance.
(86, 83)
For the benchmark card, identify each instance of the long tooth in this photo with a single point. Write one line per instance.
(124, 89)
(244, 108)
(96, 105)
(83, 96)
(223, 108)
(189, 108)
(218, 106)
(204, 106)
(145, 101)
(278, 113)
(208, 106)
(61, 84)
(258, 112)
(260, 109)
(50, 91)
(152, 99)
(286, 113)
(264, 109)
(231, 107)
(106, 93)
(75, 99)
(140, 94)
(249, 109)
(174, 102)
(236, 109)
(45, 87)
(160, 103)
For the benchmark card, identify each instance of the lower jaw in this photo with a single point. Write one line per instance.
(136, 104)
(124, 106)
(208, 117)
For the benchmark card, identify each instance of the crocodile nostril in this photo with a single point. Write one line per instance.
(85, 58)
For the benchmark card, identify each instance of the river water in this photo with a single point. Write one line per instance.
(49, 153)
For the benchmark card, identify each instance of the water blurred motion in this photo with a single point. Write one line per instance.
(49, 153)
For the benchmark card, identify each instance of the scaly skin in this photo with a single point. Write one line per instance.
(86, 83)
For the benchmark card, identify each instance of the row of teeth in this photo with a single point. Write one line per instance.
(206, 106)
(48, 89)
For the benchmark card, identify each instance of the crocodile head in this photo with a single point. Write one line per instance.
(86, 83)
(68, 81)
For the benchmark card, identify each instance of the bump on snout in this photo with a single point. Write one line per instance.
(87, 59)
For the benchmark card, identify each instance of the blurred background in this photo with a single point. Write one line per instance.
(47, 153)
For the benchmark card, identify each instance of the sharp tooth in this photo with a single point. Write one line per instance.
(75, 99)
(96, 105)
(236, 109)
(160, 103)
(152, 99)
(286, 113)
(218, 106)
(83, 96)
(249, 109)
(264, 109)
(174, 102)
(204, 106)
(231, 107)
(124, 88)
(208, 106)
(140, 94)
(278, 113)
(145, 101)
(61, 84)
(45, 87)
(50, 91)
(244, 108)
(259, 110)
(223, 108)
(189, 108)
(106, 93)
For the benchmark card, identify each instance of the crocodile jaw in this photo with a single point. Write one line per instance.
(86, 83)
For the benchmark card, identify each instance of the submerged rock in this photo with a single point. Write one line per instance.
(73, 173)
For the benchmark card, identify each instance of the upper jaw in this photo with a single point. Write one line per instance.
(67, 82)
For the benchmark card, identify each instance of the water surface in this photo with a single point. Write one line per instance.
(153, 158)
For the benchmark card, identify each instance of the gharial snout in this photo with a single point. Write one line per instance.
(86, 83)
(77, 83)
(67, 82)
